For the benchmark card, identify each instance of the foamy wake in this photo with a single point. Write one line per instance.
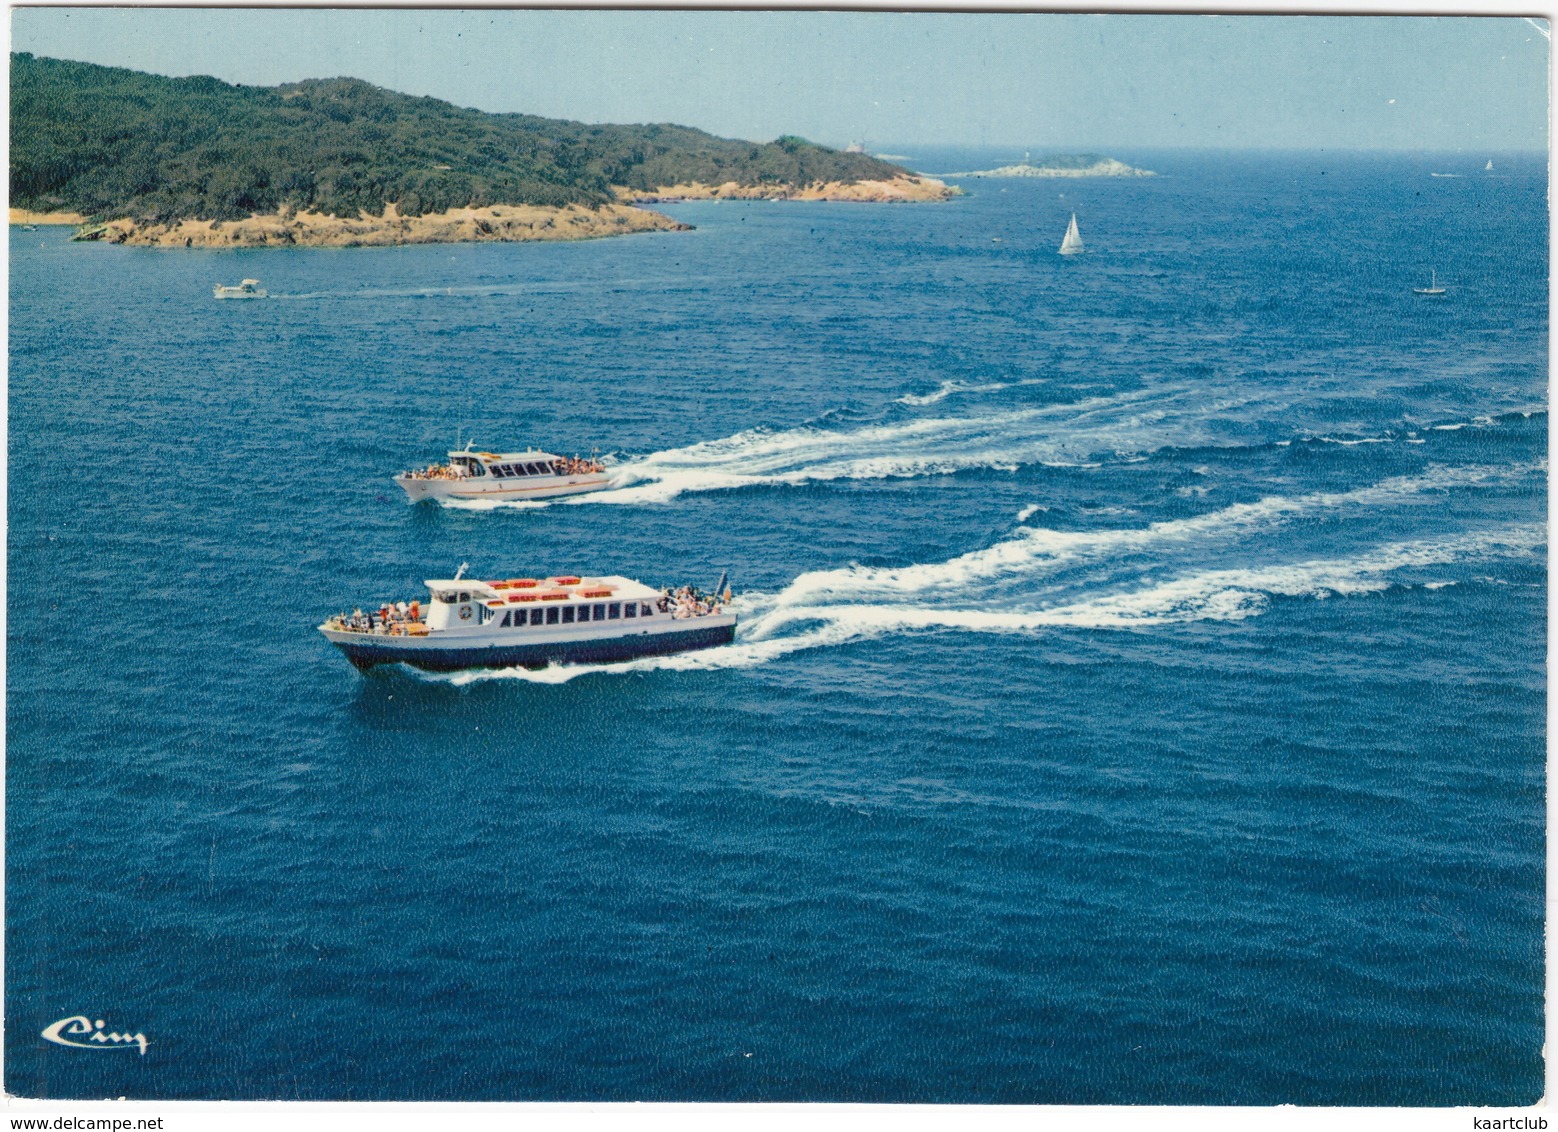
(1137, 578)
(1122, 426)
(953, 388)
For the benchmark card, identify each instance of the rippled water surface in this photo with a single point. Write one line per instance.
(1138, 697)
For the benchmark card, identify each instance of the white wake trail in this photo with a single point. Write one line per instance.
(954, 388)
(1076, 434)
(1137, 578)
(1063, 435)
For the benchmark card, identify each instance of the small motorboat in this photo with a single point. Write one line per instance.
(248, 289)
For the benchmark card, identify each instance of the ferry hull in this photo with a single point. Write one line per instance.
(366, 653)
(418, 490)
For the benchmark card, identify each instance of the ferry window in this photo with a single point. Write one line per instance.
(535, 615)
(551, 615)
(630, 609)
(567, 615)
(500, 470)
(646, 610)
(505, 623)
(464, 596)
(447, 599)
(614, 610)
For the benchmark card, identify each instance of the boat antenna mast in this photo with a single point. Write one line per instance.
(460, 573)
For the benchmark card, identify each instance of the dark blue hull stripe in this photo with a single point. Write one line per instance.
(536, 655)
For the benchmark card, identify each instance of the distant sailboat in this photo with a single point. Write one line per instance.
(1072, 244)
(1488, 168)
(1433, 287)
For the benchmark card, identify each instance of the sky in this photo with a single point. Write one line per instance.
(1020, 80)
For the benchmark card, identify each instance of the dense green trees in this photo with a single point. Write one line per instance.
(111, 142)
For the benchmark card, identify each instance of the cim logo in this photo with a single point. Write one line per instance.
(66, 1031)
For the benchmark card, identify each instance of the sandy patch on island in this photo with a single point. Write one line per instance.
(22, 216)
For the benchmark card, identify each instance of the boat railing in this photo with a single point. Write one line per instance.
(435, 472)
(377, 625)
(687, 603)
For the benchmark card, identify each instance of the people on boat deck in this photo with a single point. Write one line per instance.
(393, 618)
(689, 601)
(562, 466)
(435, 472)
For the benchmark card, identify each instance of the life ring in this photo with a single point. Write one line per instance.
(465, 613)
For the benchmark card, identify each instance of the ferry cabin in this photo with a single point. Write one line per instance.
(523, 603)
(478, 464)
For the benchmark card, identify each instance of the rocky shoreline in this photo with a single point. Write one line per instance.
(496, 223)
(899, 190)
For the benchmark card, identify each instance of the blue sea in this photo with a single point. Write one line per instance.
(1138, 697)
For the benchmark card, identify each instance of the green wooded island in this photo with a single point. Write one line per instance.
(184, 162)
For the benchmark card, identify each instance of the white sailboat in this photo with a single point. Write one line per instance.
(1433, 287)
(1072, 244)
(1488, 168)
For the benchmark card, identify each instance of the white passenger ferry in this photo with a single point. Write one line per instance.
(532, 474)
(532, 622)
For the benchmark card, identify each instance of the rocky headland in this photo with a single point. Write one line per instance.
(137, 158)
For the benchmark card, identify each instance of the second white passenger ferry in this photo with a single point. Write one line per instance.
(531, 474)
